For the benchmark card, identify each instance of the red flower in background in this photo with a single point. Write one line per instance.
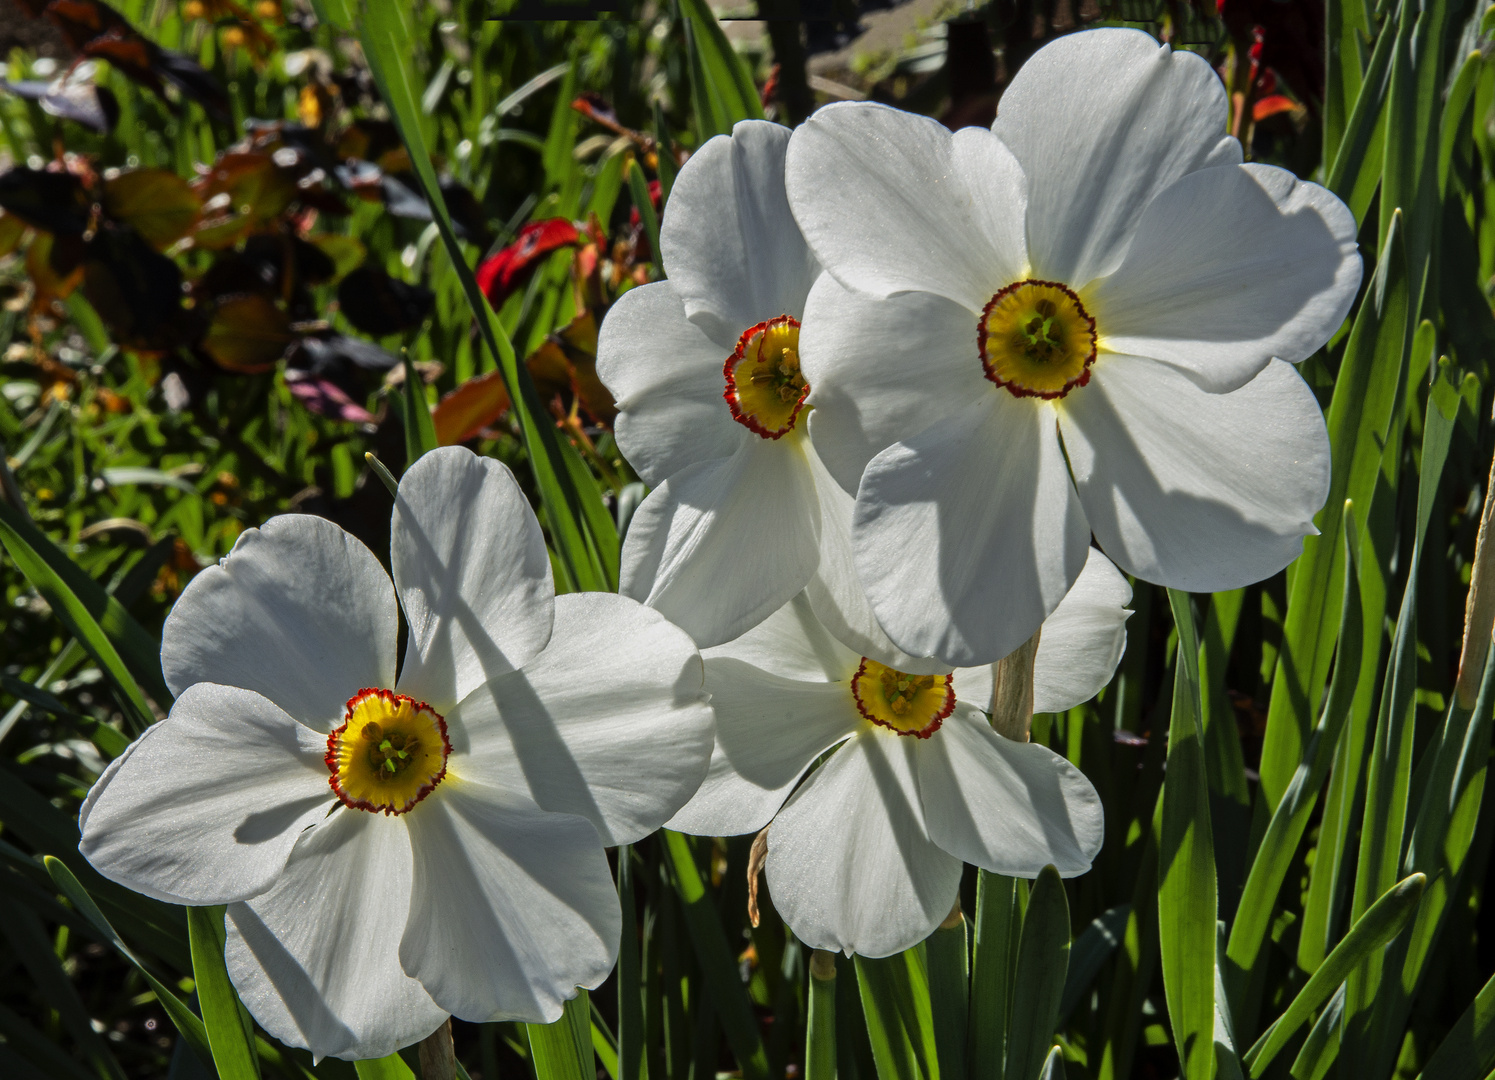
(508, 269)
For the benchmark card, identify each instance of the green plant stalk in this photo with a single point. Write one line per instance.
(1186, 866)
(820, 1035)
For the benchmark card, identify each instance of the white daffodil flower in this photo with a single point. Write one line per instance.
(394, 851)
(705, 370)
(865, 855)
(1081, 321)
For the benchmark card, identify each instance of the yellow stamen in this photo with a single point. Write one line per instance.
(906, 704)
(765, 388)
(389, 754)
(1036, 340)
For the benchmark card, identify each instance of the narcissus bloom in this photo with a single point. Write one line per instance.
(394, 851)
(865, 855)
(705, 369)
(1073, 323)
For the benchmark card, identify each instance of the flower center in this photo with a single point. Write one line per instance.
(1036, 339)
(389, 754)
(907, 704)
(765, 389)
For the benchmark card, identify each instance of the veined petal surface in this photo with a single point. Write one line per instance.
(769, 729)
(1008, 807)
(722, 544)
(609, 723)
(1101, 122)
(882, 370)
(969, 534)
(299, 611)
(731, 249)
(666, 376)
(514, 907)
(851, 865)
(1230, 267)
(888, 206)
(1079, 647)
(472, 573)
(316, 958)
(207, 805)
(1195, 490)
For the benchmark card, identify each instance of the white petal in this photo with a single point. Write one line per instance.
(882, 370)
(1101, 122)
(769, 729)
(835, 593)
(850, 862)
(1231, 267)
(1195, 490)
(316, 959)
(666, 377)
(299, 611)
(793, 643)
(1081, 644)
(722, 544)
(513, 909)
(205, 807)
(888, 206)
(730, 245)
(472, 572)
(1083, 638)
(610, 722)
(969, 534)
(1008, 807)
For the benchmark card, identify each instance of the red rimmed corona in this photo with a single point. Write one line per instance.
(389, 753)
(1036, 340)
(905, 704)
(765, 389)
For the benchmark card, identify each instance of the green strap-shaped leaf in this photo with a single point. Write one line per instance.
(999, 922)
(386, 36)
(1321, 1048)
(101, 624)
(1278, 848)
(186, 1021)
(1186, 866)
(1374, 929)
(949, 980)
(1344, 75)
(222, 1014)
(722, 90)
(1089, 954)
(563, 1050)
(392, 1067)
(1366, 392)
(895, 1004)
(420, 432)
(639, 187)
(630, 983)
(724, 986)
(1455, 119)
(1356, 170)
(1042, 963)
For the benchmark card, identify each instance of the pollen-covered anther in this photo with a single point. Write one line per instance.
(765, 388)
(1036, 340)
(389, 753)
(906, 704)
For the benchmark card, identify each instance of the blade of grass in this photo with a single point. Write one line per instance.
(895, 1005)
(1371, 931)
(1365, 398)
(719, 972)
(1186, 865)
(1042, 963)
(233, 1054)
(563, 1050)
(386, 35)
